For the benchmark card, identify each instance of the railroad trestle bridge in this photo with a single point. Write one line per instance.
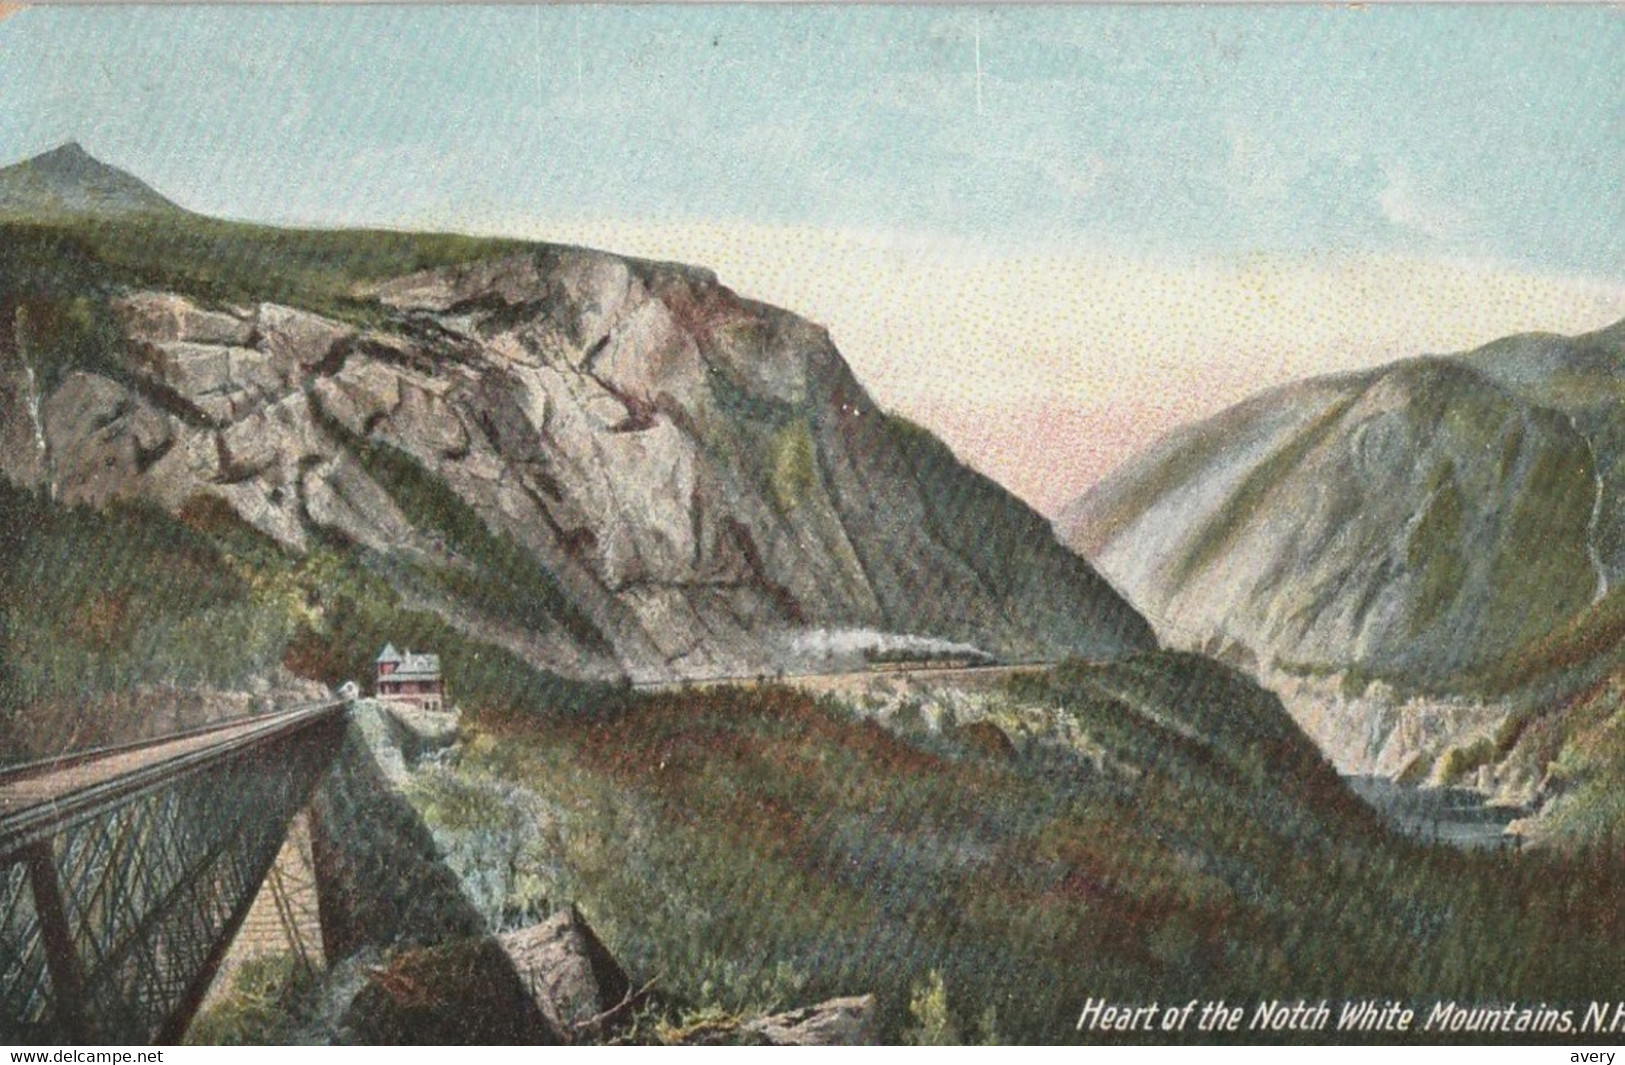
(125, 872)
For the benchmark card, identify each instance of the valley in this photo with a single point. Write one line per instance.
(764, 685)
(1419, 559)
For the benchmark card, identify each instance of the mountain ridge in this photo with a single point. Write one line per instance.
(69, 180)
(608, 466)
(1419, 524)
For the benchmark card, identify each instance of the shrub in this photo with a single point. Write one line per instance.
(1460, 761)
(267, 996)
(932, 1021)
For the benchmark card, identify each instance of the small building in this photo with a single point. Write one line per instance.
(414, 679)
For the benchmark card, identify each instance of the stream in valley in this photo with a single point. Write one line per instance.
(1457, 816)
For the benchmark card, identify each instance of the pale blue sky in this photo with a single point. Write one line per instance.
(1050, 233)
(1487, 132)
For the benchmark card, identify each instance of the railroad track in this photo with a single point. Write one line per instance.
(39, 798)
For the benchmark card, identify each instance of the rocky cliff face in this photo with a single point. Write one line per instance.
(1428, 524)
(700, 476)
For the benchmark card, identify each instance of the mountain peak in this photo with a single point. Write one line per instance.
(69, 180)
(70, 149)
(70, 161)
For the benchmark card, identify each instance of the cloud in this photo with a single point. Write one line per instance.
(1412, 206)
(1258, 170)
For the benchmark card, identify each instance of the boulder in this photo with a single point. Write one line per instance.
(459, 993)
(570, 973)
(846, 1021)
(839, 1022)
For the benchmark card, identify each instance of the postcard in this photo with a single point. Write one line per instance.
(812, 525)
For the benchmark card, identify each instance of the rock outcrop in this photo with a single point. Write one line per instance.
(413, 958)
(700, 476)
(380, 881)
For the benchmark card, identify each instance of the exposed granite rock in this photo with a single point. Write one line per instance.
(23, 451)
(380, 883)
(339, 495)
(247, 448)
(100, 437)
(297, 340)
(700, 475)
(425, 730)
(165, 318)
(361, 392)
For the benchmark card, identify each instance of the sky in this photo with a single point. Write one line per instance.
(1049, 233)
